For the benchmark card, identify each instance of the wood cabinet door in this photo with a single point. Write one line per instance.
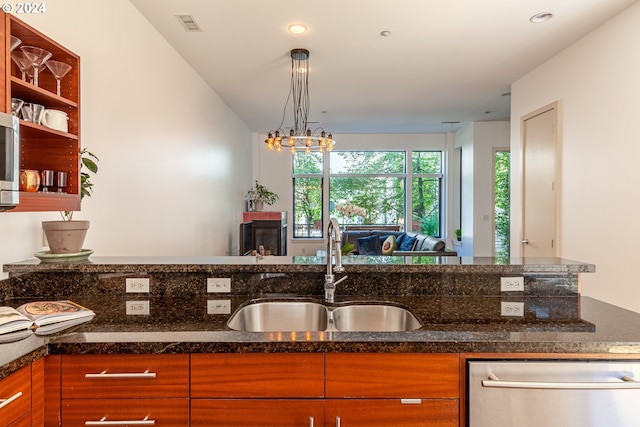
(156, 412)
(392, 412)
(257, 412)
(15, 396)
(297, 375)
(368, 375)
(126, 375)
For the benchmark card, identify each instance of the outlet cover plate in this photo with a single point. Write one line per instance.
(219, 285)
(219, 306)
(137, 308)
(137, 284)
(512, 284)
(511, 309)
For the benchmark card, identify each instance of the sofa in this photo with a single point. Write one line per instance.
(369, 242)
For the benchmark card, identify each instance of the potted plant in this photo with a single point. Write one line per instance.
(458, 234)
(67, 236)
(260, 195)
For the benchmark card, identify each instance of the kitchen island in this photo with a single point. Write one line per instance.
(458, 302)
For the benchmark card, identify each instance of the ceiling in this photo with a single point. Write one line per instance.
(444, 60)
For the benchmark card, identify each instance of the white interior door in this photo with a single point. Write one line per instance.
(539, 232)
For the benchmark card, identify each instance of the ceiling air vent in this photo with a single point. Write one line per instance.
(188, 22)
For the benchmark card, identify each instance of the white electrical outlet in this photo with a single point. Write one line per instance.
(218, 306)
(218, 284)
(137, 284)
(510, 284)
(137, 308)
(513, 309)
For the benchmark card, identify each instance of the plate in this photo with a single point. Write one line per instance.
(47, 256)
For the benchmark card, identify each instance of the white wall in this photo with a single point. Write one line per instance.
(274, 170)
(173, 157)
(478, 141)
(597, 84)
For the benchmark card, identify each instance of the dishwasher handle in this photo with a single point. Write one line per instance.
(626, 383)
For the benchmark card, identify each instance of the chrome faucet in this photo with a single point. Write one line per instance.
(333, 237)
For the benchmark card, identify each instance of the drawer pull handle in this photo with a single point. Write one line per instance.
(625, 383)
(310, 421)
(5, 402)
(104, 422)
(338, 422)
(104, 375)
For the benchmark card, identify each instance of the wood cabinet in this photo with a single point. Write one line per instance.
(125, 388)
(392, 389)
(15, 398)
(43, 148)
(257, 389)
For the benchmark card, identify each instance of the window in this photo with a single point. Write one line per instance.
(371, 180)
(307, 194)
(501, 163)
(426, 167)
(376, 182)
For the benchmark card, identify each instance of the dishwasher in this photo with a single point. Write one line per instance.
(553, 393)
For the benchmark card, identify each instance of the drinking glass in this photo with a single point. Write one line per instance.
(61, 181)
(15, 42)
(30, 72)
(22, 62)
(27, 112)
(59, 70)
(46, 180)
(38, 111)
(37, 56)
(16, 105)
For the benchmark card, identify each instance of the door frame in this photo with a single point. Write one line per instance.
(554, 106)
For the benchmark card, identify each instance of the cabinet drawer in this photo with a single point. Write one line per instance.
(257, 375)
(15, 396)
(281, 413)
(135, 376)
(156, 412)
(392, 412)
(392, 375)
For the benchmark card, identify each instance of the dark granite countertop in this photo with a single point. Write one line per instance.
(461, 324)
(284, 264)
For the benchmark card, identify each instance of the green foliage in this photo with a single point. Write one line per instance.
(88, 166)
(347, 248)
(260, 193)
(502, 161)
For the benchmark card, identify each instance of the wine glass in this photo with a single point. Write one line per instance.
(37, 56)
(59, 70)
(15, 42)
(30, 69)
(22, 62)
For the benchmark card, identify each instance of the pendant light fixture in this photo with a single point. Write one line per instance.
(299, 137)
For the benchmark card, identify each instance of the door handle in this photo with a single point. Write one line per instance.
(525, 241)
(625, 383)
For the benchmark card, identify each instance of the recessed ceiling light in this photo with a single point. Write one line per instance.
(385, 33)
(541, 17)
(297, 28)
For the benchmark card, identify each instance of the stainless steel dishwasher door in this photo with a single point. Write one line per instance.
(553, 394)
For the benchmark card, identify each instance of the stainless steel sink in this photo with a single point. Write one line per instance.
(273, 316)
(282, 316)
(378, 318)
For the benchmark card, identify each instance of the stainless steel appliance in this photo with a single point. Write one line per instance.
(553, 393)
(9, 161)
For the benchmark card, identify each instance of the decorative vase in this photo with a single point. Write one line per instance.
(65, 237)
(258, 205)
(29, 180)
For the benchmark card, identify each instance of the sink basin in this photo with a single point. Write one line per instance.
(273, 316)
(283, 316)
(374, 318)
